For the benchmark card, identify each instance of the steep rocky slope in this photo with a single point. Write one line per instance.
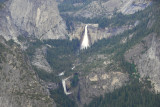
(39, 60)
(98, 83)
(145, 56)
(97, 34)
(40, 19)
(19, 84)
(107, 8)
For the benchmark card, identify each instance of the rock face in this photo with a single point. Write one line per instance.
(109, 7)
(99, 83)
(146, 56)
(98, 34)
(19, 85)
(39, 18)
(40, 61)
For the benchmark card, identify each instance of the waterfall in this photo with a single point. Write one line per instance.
(64, 86)
(85, 40)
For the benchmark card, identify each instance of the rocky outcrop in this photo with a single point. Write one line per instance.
(98, 75)
(108, 8)
(99, 83)
(19, 84)
(146, 56)
(98, 34)
(37, 18)
(39, 60)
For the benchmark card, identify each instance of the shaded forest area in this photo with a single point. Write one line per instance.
(135, 94)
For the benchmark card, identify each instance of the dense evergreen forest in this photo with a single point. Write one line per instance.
(135, 94)
(68, 5)
(61, 57)
(1, 3)
(61, 99)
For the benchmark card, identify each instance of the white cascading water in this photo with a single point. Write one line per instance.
(64, 86)
(85, 40)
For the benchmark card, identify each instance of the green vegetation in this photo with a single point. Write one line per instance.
(62, 55)
(61, 99)
(2, 4)
(132, 95)
(118, 20)
(11, 42)
(2, 47)
(48, 77)
(68, 5)
(2, 56)
(75, 1)
(22, 38)
(156, 17)
(33, 46)
(75, 80)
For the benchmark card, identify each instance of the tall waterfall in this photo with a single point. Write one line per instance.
(85, 40)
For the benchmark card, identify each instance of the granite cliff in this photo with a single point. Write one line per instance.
(20, 86)
(36, 18)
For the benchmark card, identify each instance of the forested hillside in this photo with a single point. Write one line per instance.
(135, 94)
